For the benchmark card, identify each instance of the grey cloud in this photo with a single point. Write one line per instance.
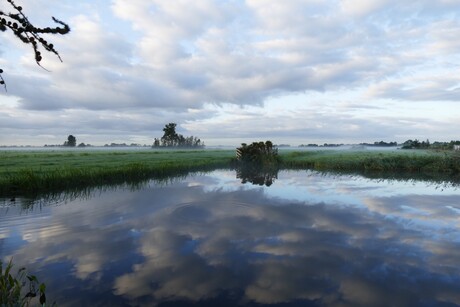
(96, 128)
(432, 88)
(319, 124)
(183, 65)
(183, 56)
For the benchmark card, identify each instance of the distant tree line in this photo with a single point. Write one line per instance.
(377, 144)
(409, 144)
(324, 145)
(381, 144)
(71, 142)
(125, 145)
(416, 144)
(171, 138)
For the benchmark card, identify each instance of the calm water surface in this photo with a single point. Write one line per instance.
(207, 240)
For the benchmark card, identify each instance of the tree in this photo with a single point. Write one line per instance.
(257, 163)
(71, 141)
(170, 136)
(24, 30)
(258, 153)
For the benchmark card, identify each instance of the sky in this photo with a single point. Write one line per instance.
(231, 71)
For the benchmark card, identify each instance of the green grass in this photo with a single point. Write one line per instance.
(36, 172)
(412, 161)
(44, 171)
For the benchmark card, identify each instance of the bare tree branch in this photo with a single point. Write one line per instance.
(23, 29)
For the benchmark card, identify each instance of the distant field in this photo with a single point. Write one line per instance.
(25, 172)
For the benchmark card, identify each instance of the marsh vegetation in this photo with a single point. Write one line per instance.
(34, 172)
(407, 161)
(20, 288)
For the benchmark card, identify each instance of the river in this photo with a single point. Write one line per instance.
(298, 238)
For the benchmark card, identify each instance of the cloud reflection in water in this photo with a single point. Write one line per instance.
(196, 241)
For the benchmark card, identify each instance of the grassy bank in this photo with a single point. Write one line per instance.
(405, 161)
(35, 172)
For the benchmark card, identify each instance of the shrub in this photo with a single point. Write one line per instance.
(13, 290)
(258, 153)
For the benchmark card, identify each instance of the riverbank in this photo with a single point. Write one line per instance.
(34, 172)
(412, 161)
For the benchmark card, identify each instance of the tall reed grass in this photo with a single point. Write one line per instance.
(59, 172)
(401, 161)
(33, 173)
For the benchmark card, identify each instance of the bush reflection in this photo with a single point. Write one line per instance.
(257, 175)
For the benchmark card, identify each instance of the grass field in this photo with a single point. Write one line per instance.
(446, 162)
(26, 172)
(33, 172)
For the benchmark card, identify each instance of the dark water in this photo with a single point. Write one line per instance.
(208, 240)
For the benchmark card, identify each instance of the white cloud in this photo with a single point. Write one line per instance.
(173, 56)
(361, 8)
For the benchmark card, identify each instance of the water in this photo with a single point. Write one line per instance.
(308, 239)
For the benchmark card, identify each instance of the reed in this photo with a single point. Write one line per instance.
(359, 161)
(37, 172)
(20, 289)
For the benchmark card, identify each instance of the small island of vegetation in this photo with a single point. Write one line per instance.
(257, 163)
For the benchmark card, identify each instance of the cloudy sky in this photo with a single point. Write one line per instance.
(228, 71)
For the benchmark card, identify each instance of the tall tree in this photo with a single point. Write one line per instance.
(28, 33)
(170, 137)
(71, 141)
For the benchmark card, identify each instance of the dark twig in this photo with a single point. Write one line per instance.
(23, 29)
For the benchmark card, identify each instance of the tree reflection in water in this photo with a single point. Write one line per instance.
(257, 175)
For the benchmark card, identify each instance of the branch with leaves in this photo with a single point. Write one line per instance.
(14, 290)
(23, 29)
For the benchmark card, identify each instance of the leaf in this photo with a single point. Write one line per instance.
(8, 268)
(43, 298)
(31, 294)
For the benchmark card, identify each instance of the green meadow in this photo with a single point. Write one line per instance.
(412, 161)
(26, 172)
(34, 172)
